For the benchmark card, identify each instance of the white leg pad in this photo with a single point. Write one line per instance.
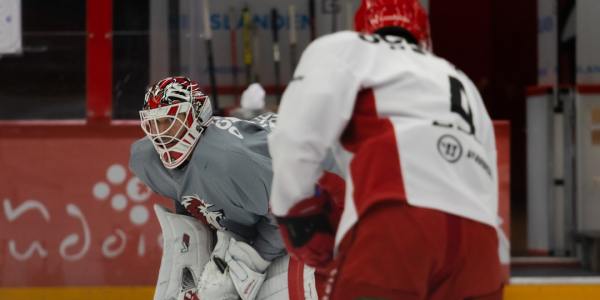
(186, 250)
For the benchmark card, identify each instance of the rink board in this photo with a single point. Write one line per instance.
(73, 215)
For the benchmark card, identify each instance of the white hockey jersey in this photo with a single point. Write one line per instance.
(404, 124)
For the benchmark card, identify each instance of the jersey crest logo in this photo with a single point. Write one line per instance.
(201, 210)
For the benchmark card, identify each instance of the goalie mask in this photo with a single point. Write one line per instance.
(174, 115)
(407, 14)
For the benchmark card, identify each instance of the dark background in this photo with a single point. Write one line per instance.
(494, 42)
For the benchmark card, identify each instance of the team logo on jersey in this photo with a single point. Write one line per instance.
(201, 210)
(449, 148)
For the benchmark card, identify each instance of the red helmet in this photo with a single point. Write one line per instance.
(174, 115)
(408, 14)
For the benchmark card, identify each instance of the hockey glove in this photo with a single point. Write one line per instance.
(308, 229)
(234, 271)
(215, 282)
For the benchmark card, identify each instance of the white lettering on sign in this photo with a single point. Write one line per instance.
(72, 239)
(110, 241)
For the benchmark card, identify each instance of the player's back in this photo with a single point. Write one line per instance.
(418, 127)
(409, 82)
(443, 133)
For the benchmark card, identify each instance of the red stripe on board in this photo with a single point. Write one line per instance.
(236, 90)
(588, 89)
(547, 89)
(99, 60)
(295, 279)
(538, 252)
(539, 90)
(47, 130)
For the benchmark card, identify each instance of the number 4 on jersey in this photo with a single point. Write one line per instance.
(457, 89)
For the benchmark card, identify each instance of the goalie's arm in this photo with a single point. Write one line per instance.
(268, 242)
(180, 209)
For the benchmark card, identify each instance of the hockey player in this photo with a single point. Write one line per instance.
(417, 148)
(217, 170)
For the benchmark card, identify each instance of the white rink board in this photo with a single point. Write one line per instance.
(588, 160)
(588, 43)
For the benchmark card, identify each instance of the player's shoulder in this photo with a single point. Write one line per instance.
(335, 41)
(266, 121)
(141, 149)
(226, 140)
(340, 37)
(233, 130)
(219, 139)
(340, 50)
(142, 155)
(458, 73)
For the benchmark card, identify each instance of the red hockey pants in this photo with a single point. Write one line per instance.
(398, 251)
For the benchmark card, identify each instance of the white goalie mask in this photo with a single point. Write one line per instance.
(174, 115)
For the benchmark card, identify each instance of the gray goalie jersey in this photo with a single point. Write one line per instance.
(226, 182)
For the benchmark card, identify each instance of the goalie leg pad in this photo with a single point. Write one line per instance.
(186, 250)
(275, 286)
(284, 282)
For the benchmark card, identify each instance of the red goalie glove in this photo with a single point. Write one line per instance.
(308, 229)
